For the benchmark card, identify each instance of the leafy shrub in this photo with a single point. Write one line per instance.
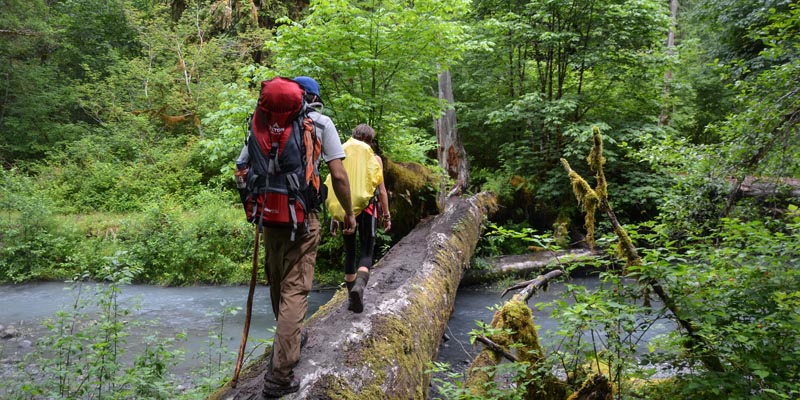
(207, 244)
(739, 285)
(512, 239)
(202, 238)
(112, 184)
(29, 242)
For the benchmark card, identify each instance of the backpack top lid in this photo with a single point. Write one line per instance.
(278, 104)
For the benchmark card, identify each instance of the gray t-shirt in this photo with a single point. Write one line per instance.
(331, 144)
(328, 135)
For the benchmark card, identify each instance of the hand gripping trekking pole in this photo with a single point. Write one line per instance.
(248, 311)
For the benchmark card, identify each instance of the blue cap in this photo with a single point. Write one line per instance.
(309, 85)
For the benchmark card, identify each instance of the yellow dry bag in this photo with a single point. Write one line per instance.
(364, 173)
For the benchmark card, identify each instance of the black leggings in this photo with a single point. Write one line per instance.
(366, 236)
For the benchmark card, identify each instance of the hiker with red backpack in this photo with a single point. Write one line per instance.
(370, 204)
(282, 196)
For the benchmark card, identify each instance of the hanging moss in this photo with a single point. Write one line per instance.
(561, 230)
(596, 161)
(626, 249)
(587, 199)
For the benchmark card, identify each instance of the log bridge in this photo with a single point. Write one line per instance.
(383, 352)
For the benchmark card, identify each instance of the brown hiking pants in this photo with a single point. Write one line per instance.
(290, 272)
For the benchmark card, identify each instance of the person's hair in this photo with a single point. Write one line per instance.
(364, 133)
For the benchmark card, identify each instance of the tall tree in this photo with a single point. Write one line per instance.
(36, 102)
(673, 16)
(549, 70)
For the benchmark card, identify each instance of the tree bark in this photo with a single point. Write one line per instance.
(383, 352)
(451, 153)
(529, 288)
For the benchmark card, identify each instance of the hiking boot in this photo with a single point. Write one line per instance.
(274, 389)
(357, 292)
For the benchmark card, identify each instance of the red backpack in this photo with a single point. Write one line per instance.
(283, 179)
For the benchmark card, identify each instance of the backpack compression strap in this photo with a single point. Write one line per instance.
(313, 147)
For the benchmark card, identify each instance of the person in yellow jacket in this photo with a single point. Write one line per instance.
(365, 171)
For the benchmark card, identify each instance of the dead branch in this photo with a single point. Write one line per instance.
(19, 32)
(496, 347)
(531, 286)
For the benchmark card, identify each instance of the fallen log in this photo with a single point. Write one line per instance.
(524, 265)
(752, 186)
(384, 351)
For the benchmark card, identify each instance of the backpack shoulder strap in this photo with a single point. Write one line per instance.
(313, 150)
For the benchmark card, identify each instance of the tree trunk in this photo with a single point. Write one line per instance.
(383, 352)
(451, 154)
(663, 119)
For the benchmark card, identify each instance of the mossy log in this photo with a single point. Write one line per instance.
(595, 387)
(752, 186)
(412, 195)
(383, 352)
(516, 334)
(524, 265)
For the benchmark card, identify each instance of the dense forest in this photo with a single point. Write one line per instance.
(120, 121)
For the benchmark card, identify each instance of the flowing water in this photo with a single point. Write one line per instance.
(476, 304)
(195, 311)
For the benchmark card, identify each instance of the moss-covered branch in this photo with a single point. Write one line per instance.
(514, 332)
(625, 246)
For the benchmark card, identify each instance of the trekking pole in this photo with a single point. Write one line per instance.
(248, 311)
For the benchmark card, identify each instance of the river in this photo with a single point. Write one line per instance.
(195, 311)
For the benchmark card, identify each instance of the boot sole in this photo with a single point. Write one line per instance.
(356, 300)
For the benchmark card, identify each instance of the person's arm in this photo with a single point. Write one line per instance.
(383, 198)
(341, 188)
